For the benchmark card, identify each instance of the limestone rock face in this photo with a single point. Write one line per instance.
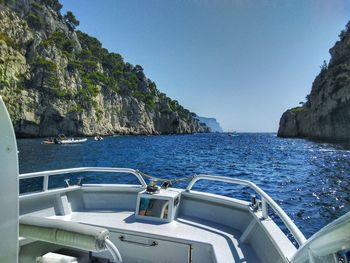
(55, 79)
(326, 114)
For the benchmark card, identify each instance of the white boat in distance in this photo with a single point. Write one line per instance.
(71, 141)
(98, 138)
(62, 139)
(89, 223)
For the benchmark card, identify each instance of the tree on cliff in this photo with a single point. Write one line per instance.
(345, 32)
(70, 20)
(324, 65)
(54, 4)
(47, 72)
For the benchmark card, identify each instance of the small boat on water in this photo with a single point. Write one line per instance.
(50, 140)
(72, 141)
(134, 223)
(62, 139)
(98, 138)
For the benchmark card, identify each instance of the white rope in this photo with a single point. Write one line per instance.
(113, 250)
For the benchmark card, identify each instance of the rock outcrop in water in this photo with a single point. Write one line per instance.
(55, 79)
(326, 114)
(212, 123)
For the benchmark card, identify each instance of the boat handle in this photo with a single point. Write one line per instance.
(153, 244)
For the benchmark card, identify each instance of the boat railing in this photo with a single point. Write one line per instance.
(46, 174)
(333, 239)
(265, 199)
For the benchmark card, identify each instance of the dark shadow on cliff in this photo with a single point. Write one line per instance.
(338, 143)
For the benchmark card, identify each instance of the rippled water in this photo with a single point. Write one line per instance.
(310, 181)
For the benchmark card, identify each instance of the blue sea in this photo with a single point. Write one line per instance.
(309, 180)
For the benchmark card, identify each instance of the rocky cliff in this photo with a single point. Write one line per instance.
(56, 79)
(212, 123)
(326, 114)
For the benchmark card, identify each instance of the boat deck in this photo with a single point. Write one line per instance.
(223, 241)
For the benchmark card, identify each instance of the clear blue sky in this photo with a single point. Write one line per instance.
(243, 62)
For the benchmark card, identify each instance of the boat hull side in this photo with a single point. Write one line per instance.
(8, 188)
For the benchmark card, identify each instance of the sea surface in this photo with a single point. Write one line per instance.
(309, 180)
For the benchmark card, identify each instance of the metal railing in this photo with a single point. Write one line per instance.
(266, 201)
(47, 174)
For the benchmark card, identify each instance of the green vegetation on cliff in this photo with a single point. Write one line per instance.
(69, 83)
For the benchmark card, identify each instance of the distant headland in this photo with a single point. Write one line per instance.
(212, 123)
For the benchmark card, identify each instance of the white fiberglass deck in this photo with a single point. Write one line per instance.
(207, 228)
(224, 241)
